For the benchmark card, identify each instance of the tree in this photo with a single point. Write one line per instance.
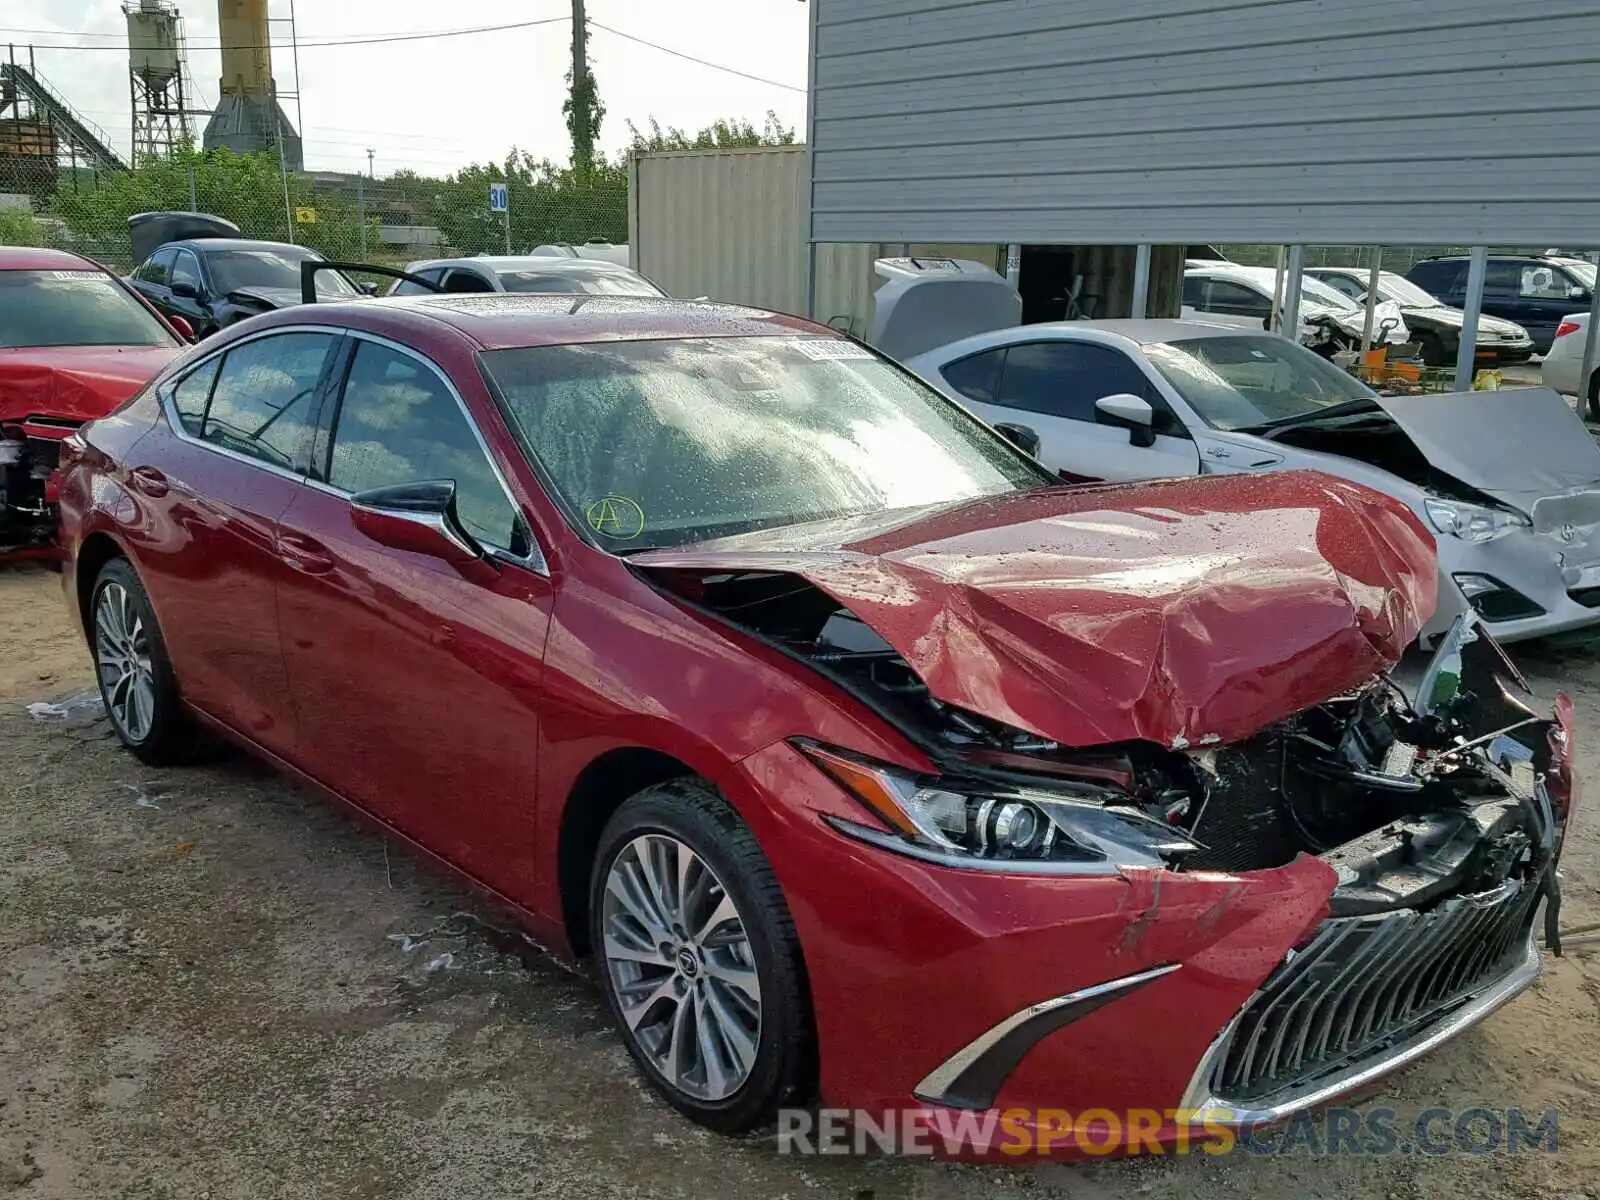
(19, 227)
(584, 110)
(719, 135)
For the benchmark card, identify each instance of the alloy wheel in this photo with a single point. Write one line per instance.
(681, 966)
(122, 659)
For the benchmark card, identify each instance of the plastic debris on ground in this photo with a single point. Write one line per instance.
(83, 709)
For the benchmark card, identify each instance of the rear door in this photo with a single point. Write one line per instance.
(1051, 387)
(153, 277)
(416, 689)
(214, 483)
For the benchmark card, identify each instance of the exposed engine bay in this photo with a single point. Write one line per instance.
(27, 461)
(1409, 801)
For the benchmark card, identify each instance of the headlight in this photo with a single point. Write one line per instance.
(980, 824)
(1472, 522)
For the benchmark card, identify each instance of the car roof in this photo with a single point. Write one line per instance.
(1151, 331)
(527, 262)
(509, 320)
(234, 244)
(30, 258)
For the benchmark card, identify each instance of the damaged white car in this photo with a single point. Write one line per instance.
(1508, 482)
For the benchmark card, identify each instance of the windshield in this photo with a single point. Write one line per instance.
(1402, 291)
(235, 269)
(1315, 289)
(1249, 380)
(592, 283)
(659, 443)
(1583, 272)
(74, 308)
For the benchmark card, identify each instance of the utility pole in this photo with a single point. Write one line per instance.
(583, 147)
(371, 173)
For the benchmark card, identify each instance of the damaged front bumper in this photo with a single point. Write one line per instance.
(1211, 994)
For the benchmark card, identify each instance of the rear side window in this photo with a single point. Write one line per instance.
(1503, 277)
(1438, 277)
(261, 405)
(400, 423)
(192, 395)
(159, 269)
(978, 376)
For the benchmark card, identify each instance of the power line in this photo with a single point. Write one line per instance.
(314, 45)
(628, 37)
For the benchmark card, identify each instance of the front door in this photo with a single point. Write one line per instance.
(188, 298)
(214, 486)
(1051, 387)
(416, 689)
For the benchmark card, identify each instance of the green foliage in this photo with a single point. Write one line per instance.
(19, 227)
(719, 135)
(248, 190)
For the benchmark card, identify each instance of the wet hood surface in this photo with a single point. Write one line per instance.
(75, 383)
(1184, 612)
(1517, 445)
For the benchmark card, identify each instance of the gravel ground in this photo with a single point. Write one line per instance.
(215, 985)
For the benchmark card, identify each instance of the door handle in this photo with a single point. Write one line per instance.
(305, 554)
(149, 480)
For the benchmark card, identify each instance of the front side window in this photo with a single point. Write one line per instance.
(1540, 282)
(468, 282)
(400, 423)
(186, 270)
(1064, 379)
(1345, 285)
(261, 405)
(74, 308)
(660, 443)
(405, 287)
(1225, 296)
(1248, 381)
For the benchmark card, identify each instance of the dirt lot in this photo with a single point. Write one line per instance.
(213, 985)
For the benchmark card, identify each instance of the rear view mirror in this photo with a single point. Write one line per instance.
(419, 518)
(1020, 436)
(1134, 413)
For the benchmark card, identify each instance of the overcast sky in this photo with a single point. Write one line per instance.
(440, 103)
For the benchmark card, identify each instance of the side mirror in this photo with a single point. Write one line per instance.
(1578, 293)
(368, 289)
(419, 518)
(1133, 413)
(1020, 436)
(185, 290)
(184, 329)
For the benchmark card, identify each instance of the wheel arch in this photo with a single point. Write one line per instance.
(597, 793)
(97, 550)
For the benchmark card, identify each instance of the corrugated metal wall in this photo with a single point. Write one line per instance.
(730, 224)
(1179, 121)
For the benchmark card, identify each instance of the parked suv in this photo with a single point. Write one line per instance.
(1536, 291)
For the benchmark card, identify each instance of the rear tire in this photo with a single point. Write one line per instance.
(134, 671)
(699, 959)
(1594, 397)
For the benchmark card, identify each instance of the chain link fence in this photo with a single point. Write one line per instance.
(390, 222)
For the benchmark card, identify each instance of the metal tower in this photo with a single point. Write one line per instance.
(158, 84)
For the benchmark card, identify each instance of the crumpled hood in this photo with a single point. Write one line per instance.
(75, 383)
(1518, 445)
(1184, 612)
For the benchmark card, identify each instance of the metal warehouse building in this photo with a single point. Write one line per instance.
(1166, 123)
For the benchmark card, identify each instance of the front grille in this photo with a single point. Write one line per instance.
(1363, 984)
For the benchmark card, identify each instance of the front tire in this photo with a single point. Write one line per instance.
(1594, 397)
(133, 670)
(1432, 347)
(699, 959)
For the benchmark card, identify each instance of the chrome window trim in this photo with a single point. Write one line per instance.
(534, 561)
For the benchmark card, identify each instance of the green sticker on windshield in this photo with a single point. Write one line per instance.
(616, 517)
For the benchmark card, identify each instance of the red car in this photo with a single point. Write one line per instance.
(871, 764)
(75, 342)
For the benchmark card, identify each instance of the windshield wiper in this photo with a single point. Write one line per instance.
(1349, 408)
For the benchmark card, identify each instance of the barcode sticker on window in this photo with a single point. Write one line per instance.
(830, 349)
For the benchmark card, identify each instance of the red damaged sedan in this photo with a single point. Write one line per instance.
(869, 763)
(75, 343)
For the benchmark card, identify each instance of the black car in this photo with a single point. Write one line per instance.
(1534, 290)
(213, 282)
(1435, 326)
